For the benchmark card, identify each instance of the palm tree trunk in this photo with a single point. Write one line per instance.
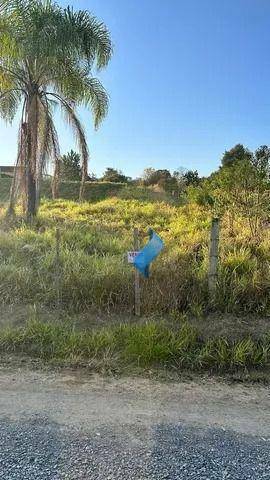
(31, 161)
(19, 177)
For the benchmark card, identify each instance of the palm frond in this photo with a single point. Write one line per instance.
(56, 158)
(79, 133)
(84, 91)
(18, 181)
(91, 36)
(9, 103)
(18, 6)
(96, 95)
(49, 145)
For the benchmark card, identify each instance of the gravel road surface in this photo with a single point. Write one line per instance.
(72, 426)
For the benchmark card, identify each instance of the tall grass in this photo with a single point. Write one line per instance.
(142, 345)
(94, 273)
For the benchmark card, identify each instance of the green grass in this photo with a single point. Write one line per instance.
(95, 277)
(152, 344)
(94, 274)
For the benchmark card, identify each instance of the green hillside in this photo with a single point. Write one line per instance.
(5, 184)
(94, 191)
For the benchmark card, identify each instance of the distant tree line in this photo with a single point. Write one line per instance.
(240, 187)
(161, 178)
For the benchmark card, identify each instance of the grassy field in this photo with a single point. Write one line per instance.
(94, 273)
(93, 280)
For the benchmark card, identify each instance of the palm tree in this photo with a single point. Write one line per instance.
(47, 56)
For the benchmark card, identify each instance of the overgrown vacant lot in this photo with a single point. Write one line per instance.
(95, 280)
(94, 274)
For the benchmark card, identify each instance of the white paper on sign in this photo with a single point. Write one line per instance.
(131, 256)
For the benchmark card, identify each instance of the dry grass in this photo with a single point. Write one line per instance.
(94, 272)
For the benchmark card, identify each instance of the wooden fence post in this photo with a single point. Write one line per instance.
(58, 267)
(137, 288)
(213, 257)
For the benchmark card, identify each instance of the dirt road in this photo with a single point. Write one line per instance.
(72, 426)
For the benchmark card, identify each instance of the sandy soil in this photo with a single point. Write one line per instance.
(77, 400)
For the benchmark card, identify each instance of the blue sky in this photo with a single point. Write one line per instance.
(189, 79)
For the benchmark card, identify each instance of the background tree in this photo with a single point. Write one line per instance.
(176, 182)
(70, 168)
(155, 177)
(235, 154)
(261, 161)
(114, 176)
(191, 177)
(243, 188)
(147, 175)
(47, 54)
(92, 177)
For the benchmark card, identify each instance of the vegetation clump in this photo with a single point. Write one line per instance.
(146, 345)
(93, 268)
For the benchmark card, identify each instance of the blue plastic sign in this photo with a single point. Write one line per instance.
(148, 254)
